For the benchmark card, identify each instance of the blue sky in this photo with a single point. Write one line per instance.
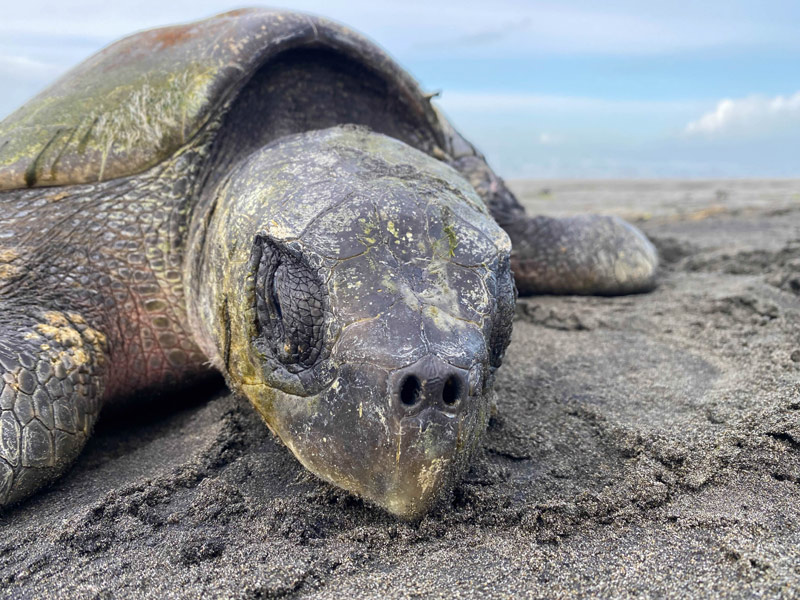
(618, 88)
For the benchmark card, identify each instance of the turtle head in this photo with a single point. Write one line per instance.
(359, 294)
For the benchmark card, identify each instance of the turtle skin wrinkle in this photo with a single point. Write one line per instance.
(268, 195)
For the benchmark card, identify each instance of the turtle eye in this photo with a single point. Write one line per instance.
(290, 307)
(297, 301)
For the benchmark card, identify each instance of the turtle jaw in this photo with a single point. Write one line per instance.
(405, 464)
(432, 455)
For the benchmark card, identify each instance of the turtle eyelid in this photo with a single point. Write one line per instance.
(291, 306)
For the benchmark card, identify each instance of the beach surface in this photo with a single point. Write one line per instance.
(643, 447)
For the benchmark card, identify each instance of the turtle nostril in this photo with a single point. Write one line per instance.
(410, 391)
(430, 386)
(451, 393)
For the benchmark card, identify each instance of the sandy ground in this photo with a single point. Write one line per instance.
(645, 446)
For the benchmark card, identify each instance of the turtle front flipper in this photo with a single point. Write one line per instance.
(587, 254)
(51, 379)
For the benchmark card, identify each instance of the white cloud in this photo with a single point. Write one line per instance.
(753, 115)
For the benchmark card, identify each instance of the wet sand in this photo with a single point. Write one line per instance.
(644, 446)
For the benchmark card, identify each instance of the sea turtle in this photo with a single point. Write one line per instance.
(268, 194)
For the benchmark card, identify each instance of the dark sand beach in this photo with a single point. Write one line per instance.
(643, 447)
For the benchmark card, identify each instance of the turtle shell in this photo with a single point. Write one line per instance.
(141, 99)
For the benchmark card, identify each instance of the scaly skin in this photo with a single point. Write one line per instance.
(92, 297)
(53, 367)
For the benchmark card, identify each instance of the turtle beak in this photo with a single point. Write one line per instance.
(428, 462)
(403, 452)
(433, 429)
(427, 456)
